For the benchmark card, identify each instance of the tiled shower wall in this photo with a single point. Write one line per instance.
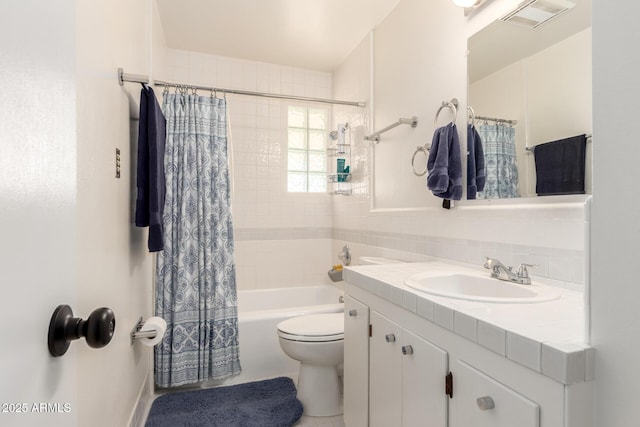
(282, 239)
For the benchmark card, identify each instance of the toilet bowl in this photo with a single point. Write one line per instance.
(316, 341)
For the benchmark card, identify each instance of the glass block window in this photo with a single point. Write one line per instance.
(307, 149)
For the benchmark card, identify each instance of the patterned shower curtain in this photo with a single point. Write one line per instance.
(498, 143)
(196, 279)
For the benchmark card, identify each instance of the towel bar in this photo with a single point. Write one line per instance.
(588, 137)
(413, 121)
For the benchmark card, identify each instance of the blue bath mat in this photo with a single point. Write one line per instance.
(268, 403)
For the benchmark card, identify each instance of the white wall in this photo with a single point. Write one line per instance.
(419, 62)
(615, 318)
(281, 238)
(37, 205)
(114, 266)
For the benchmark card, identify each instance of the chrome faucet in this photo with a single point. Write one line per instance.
(502, 272)
(345, 255)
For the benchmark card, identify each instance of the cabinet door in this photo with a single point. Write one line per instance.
(500, 406)
(356, 363)
(424, 367)
(385, 373)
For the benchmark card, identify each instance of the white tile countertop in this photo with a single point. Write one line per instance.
(547, 337)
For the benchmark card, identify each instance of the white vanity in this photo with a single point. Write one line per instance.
(420, 359)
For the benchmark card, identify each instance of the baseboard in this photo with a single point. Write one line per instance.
(143, 404)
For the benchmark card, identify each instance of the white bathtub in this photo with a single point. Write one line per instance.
(259, 313)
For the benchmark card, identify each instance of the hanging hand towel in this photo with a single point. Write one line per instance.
(560, 166)
(475, 163)
(444, 165)
(150, 174)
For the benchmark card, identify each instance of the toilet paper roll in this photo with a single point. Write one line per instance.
(153, 324)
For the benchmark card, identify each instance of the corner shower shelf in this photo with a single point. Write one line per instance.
(339, 177)
(338, 149)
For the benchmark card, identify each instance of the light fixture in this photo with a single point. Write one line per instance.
(465, 3)
(470, 6)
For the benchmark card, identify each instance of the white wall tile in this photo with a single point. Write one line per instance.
(425, 308)
(492, 337)
(443, 316)
(566, 363)
(524, 351)
(465, 326)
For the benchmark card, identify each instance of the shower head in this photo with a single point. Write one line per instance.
(334, 134)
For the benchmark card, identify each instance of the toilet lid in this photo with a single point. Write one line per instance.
(313, 327)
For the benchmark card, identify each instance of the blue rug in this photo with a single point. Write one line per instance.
(268, 403)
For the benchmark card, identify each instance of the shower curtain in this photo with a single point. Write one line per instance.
(498, 144)
(196, 278)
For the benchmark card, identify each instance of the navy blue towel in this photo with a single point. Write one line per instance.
(152, 132)
(560, 166)
(476, 174)
(444, 165)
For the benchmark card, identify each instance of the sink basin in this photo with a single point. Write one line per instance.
(480, 288)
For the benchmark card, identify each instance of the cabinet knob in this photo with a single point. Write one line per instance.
(407, 349)
(485, 403)
(390, 338)
(353, 313)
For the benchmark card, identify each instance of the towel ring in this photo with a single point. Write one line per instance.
(472, 115)
(425, 149)
(452, 105)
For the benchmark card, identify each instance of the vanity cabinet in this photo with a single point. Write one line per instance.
(392, 377)
(481, 401)
(356, 363)
(384, 386)
(406, 375)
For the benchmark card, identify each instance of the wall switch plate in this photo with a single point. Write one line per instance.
(117, 163)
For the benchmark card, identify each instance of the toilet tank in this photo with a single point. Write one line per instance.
(375, 260)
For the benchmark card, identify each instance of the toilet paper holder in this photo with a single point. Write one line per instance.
(137, 334)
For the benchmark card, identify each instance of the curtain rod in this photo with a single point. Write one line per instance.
(136, 78)
(492, 119)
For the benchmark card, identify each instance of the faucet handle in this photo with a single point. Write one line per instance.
(522, 270)
(487, 262)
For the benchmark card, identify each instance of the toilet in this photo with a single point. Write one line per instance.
(316, 341)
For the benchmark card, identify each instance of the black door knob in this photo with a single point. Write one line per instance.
(98, 329)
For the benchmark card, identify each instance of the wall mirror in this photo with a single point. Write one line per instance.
(530, 85)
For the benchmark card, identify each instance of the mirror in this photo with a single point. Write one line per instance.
(528, 87)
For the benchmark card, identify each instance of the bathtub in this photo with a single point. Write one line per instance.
(259, 313)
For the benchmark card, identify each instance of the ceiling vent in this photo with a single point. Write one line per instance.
(534, 13)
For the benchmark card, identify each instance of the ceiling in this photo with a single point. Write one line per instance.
(502, 43)
(313, 34)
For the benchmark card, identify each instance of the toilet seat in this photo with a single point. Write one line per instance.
(313, 328)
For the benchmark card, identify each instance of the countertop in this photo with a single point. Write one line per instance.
(547, 337)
